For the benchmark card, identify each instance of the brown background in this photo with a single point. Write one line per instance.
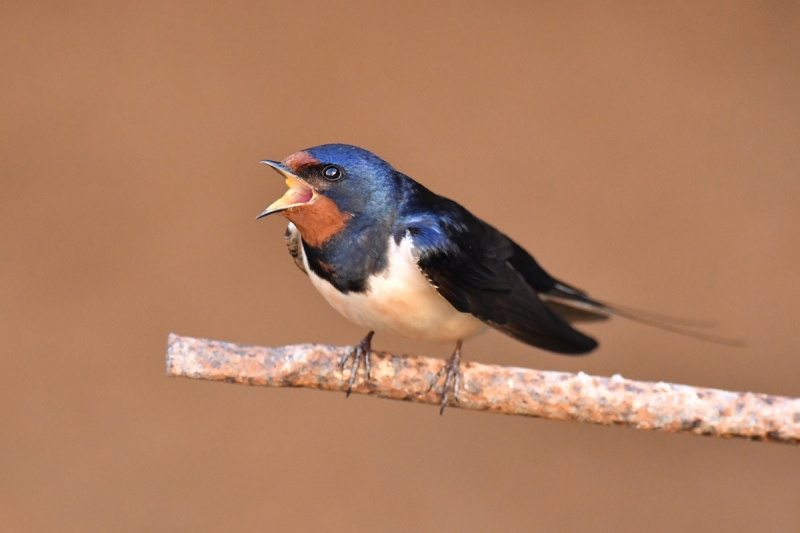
(647, 153)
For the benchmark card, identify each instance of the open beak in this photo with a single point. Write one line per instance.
(299, 193)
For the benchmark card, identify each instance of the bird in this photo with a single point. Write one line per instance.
(392, 256)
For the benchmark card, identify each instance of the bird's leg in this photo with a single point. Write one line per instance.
(452, 372)
(362, 349)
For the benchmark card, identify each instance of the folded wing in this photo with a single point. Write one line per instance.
(481, 271)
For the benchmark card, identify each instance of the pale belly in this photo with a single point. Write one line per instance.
(401, 301)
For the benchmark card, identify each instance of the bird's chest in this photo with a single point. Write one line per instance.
(398, 299)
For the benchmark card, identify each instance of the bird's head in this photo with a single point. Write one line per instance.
(330, 185)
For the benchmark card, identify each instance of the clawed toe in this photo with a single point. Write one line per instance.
(361, 351)
(452, 373)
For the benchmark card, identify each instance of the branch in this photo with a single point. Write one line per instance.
(516, 391)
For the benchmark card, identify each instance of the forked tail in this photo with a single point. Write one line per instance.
(574, 305)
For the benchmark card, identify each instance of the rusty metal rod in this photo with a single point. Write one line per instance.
(517, 391)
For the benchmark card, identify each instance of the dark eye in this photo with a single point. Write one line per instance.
(332, 173)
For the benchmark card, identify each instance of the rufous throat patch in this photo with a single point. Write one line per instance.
(317, 221)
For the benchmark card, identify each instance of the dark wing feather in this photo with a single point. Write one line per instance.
(481, 271)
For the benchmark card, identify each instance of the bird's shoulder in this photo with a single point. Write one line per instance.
(446, 234)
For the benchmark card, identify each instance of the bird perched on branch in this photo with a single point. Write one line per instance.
(392, 256)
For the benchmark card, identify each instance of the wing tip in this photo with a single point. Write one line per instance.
(575, 343)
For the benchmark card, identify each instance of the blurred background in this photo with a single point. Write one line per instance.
(647, 153)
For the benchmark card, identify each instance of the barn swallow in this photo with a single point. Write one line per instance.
(392, 256)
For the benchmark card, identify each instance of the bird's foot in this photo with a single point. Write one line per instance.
(361, 350)
(452, 371)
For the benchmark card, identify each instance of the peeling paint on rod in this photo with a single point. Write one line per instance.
(516, 391)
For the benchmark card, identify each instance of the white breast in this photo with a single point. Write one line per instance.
(401, 301)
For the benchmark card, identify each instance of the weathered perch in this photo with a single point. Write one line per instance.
(516, 391)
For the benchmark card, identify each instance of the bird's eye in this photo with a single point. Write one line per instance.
(332, 173)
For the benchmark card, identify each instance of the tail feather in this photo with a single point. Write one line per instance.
(574, 305)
